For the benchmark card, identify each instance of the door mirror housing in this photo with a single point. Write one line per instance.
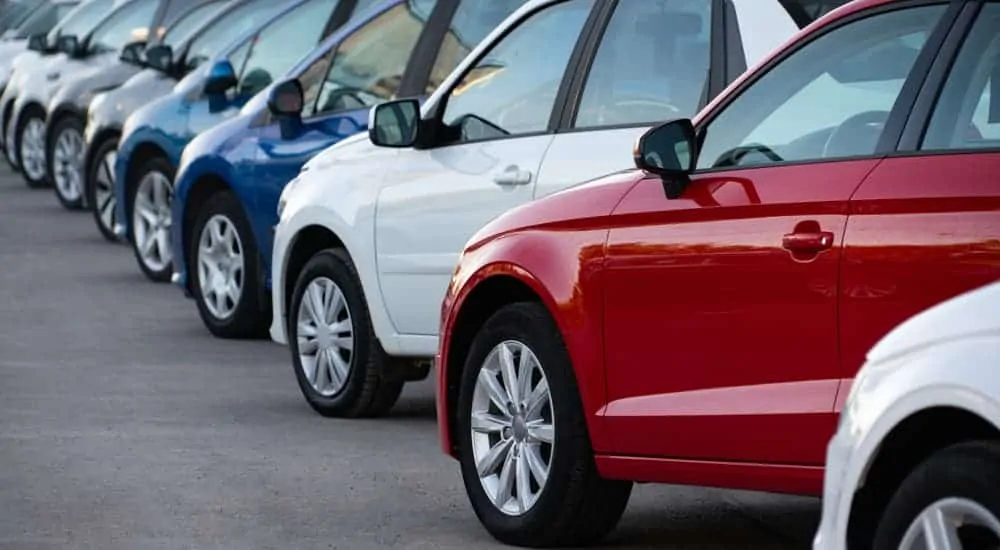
(669, 151)
(160, 57)
(395, 123)
(38, 43)
(70, 45)
(285, 101)
(221, 77)
(132, 53)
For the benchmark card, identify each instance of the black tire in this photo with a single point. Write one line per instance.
(250, 318)
(29, 114)
(103, 207)
(577, 506)
(8, 144)
(67, 123)
(966, 470)
(367, 392)
(163, 166)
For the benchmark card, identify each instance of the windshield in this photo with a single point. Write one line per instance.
(15, 13)
(128, 24)
(82, 20)
(190, 22)
(44, 19)
(220, 33)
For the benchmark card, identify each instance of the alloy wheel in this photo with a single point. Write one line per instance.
(325, 336)
(151, 220)
(33, 149)
(104, 192)
(67, 164)
(513, 428)
(953, 524)
(220, 266)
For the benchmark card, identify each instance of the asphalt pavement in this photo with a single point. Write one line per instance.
(125, 425)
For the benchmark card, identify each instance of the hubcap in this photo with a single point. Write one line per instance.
(220, 266)
(325, 336)
(513, 428)
(67, 162)
(33, 149)
(151, 220)
(104, 192)
(953, 524)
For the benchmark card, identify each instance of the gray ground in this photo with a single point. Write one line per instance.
(124, 425)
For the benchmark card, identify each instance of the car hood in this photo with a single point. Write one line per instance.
(585, 201)
(969, 314)
(80, 86)
(115, 105)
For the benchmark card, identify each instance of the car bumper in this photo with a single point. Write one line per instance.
(279, 322)
(838, 488)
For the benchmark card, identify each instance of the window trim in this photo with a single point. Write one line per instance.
(907, 94)
(434, 117)
(913, 131)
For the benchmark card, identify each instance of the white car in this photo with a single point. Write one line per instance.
(915, 462)
(556, 95)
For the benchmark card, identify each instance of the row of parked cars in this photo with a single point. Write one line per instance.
(489, 189)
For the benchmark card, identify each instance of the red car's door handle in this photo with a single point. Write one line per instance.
(808, 242)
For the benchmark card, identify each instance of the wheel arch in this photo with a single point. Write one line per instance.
(306, 243)
(102, 135)
(56, 116)
(203, 188)
(141, 153)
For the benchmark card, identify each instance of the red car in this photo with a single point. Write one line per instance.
(698, 320)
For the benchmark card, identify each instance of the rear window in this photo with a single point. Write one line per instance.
(804, 12)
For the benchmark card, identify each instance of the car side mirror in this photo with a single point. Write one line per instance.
(38, 42)
(160, 57)
(394, 123)
(221, 77)
(669, 151)
(285, 100)
(132, 53)
(70, 45)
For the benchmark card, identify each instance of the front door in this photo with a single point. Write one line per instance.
(721, 324)
(434, 200)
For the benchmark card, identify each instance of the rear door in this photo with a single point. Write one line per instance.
(925, 224)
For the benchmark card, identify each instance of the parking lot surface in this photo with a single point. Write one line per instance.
(124, 425)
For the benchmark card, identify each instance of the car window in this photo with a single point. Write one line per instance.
(473, 20)
(369, 64)
(43, 19)
(512, 89)
(191, 21)
(83, 19)
(829, 99)
(128, 24)
(279, 46)
(967, 114)
(224, 30)
(652, 64)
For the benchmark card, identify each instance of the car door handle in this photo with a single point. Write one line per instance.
(807, 242)
(512, 175)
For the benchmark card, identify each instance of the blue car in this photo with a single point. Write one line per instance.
(230, 178)
(154, 136)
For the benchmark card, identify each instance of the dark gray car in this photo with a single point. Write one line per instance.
(67, 108)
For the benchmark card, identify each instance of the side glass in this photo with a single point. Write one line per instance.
(473, 20)
(967, 114)
(652, 64)
(83, 19)
(828, 100)
(224, 30)
(188, 23)
(368, 66)
(512, 89)
(128, 24)
(312, 82)
(279, 46)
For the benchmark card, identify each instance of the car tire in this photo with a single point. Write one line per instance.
(30, 137)
(363, 390)
(64, 158)
(574, 505)
(222, 252)
(149, 207)
(963, 476)
(100, 189)
(9, 149)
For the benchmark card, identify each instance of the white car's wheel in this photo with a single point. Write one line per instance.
(525, 452)
(100, 188)
(151, 219)
(65, 161)
(339, 363)
(30, 147)
(949, 501)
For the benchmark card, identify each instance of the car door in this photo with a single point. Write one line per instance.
(720, 305)
(925, 224)
(500, 114)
